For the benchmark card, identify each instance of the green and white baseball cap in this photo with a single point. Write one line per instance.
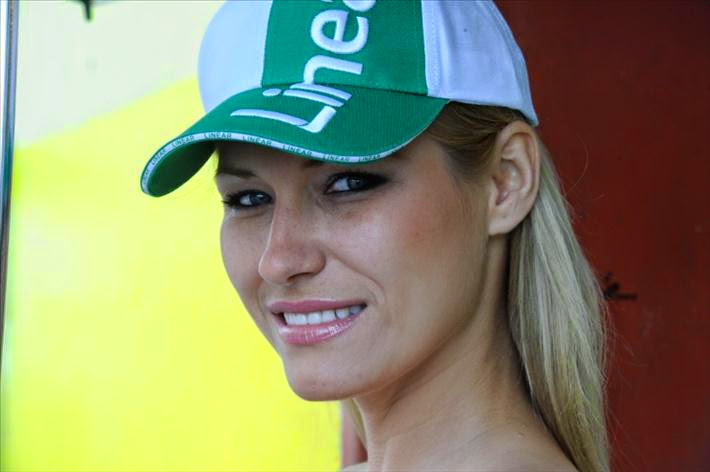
(345, 81)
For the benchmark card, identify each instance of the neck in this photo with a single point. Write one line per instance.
(470, 390)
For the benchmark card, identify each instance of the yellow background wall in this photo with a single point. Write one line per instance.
(125, 346)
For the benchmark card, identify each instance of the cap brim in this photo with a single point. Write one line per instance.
(346, 125)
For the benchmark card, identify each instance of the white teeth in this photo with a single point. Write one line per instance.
(318, 317)
(328, 315)
(296, 319)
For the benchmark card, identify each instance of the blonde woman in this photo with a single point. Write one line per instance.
(416, 259)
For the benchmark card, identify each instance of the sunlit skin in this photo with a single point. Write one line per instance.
(430, 357)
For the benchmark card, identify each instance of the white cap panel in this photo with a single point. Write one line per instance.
(471, 56)
(226, 66)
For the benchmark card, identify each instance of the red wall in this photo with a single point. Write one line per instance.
(622, 90)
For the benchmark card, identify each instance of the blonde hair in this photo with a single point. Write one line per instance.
(555, 306)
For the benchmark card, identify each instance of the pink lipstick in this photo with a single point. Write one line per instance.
(310, 322)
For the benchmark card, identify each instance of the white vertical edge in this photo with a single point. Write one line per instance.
(430, 34)
(225, 65)
(8, 64)
(4, 13)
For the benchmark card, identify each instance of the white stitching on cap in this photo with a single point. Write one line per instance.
(229, 136)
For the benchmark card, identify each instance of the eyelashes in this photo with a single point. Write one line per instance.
(246, 199)
(353, 182)
(338, 185)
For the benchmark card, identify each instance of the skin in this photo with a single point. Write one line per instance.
(431, 356)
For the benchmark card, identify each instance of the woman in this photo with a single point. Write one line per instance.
(419, 264)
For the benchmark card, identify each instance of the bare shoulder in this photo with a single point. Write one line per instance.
(362, 466)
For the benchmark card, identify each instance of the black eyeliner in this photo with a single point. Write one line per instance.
(372, 180)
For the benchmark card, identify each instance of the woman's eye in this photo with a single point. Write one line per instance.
(246, 200)
(353, 182)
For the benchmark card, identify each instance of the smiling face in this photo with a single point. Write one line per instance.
(355, 274)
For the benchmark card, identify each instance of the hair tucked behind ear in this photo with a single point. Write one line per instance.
(555, 307)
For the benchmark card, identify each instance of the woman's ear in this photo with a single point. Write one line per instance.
(513, 178)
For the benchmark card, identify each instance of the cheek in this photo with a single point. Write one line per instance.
(411, 240)
(240, 254)
(430, 248)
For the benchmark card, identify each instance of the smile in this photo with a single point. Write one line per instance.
(311, 322)
(320, 317)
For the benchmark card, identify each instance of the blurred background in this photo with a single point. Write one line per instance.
(126, 348)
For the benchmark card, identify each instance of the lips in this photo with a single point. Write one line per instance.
(310, 322)
(307, 306)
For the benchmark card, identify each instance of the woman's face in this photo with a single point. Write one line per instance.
(355, 274)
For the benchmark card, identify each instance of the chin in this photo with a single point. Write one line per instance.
(315, 395)
(315, 386)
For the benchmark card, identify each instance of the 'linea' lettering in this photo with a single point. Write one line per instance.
(335, 44)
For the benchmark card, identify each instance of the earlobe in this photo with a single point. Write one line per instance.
(514, 177)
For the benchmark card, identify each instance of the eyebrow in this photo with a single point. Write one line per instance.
(246, 173)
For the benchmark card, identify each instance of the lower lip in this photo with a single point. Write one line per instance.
(305, 335)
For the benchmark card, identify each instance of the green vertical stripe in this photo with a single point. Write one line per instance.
(392, 57)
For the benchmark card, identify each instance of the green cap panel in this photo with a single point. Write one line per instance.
(370, 125)
(381, 46)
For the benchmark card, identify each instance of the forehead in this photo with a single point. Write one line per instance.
(247, 159)
(235, 155)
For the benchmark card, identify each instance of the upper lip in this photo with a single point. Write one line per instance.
(307, 306)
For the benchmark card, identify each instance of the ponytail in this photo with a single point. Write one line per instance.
(555, 307)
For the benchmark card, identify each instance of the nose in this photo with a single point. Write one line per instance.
(291, 251)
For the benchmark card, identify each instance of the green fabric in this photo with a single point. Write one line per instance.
(375, 103)
(387, 61)
(370, 125)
